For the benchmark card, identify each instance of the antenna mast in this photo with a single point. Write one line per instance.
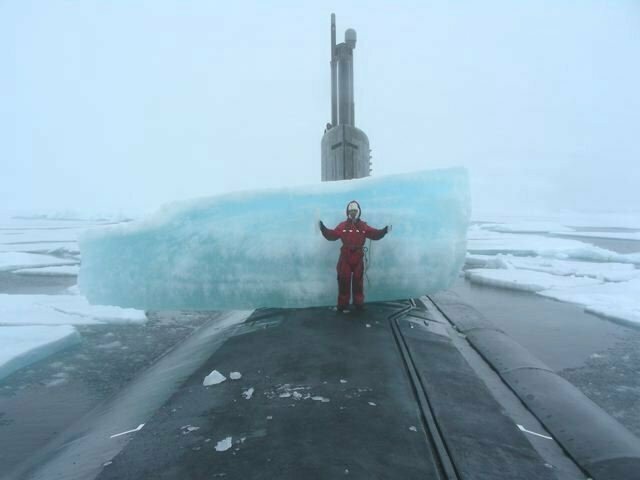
(334, 74)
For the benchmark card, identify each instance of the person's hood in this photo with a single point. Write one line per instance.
(359, 209)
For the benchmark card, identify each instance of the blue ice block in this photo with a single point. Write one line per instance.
(263, 248)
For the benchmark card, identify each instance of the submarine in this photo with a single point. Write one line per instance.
(416, 388)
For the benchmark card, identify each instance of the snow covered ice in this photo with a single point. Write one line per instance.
(61, 310)
(18, 260)
(604, 282)
(264, 249)
(32, 327)
(65, 271)
(22, 346)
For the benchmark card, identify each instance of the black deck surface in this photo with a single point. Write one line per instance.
(333, 397)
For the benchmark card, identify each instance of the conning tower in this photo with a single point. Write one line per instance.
(345, 148)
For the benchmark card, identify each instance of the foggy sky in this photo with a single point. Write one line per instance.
(111, 106)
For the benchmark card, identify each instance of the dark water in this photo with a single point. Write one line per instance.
(39, 401)
(34, 284)
(560, 334)
(600, 357)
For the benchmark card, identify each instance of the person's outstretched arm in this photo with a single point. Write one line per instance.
(328, 233)
(374, 233)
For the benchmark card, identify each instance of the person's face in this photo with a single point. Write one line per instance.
(353, 214)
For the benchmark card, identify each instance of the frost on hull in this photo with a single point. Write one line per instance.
(263, 248)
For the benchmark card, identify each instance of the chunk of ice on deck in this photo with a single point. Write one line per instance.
(223, 445)
(22, 346)
(248, 393)
(264, 249)
(213, 378)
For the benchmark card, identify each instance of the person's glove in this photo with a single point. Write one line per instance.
(322, 227)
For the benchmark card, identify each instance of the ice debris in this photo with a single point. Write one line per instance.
(223, 445)
(213, 378)
(188, 429)
(248, 393)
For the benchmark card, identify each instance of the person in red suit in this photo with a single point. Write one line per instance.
(353, 232)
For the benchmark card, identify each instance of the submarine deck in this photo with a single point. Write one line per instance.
(387, 393)
(334, 395)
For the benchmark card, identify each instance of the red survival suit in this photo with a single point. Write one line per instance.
(353, 233)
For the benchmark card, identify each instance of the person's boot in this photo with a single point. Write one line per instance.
(342, 309)
(359, 308)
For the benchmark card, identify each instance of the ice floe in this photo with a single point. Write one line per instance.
(526, 227)
(491, 243)
(50, 248)
(618, 301)
(22, 346)
(633, 235)
(61, 310)
(18, 260)
(610, 272)
(604, 220)
(64, 271)
(508, 254)
(526, 280)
